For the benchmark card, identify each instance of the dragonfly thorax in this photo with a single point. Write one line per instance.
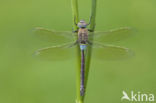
(83, 35)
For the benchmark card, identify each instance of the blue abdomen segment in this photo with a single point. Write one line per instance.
(83, 46)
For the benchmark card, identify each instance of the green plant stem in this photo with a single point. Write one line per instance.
(93, 15)
(75, 14)
(89, 48)
(78, 70)
(79, 99)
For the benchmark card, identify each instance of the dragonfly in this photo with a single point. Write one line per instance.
(62, 43)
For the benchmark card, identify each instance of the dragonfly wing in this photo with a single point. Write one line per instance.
(111, 52)
(54, 37)
(113, 35)
(54, 53)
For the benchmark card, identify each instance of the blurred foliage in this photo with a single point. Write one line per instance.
(25, 79)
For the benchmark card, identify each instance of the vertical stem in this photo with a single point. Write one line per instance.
(78, 71)
(75, 14)
(93, 15)
(78, 76)
(89, 48)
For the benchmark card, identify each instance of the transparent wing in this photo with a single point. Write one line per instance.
(54, 53)
(111, 52)
(54, 37)
(113, 35)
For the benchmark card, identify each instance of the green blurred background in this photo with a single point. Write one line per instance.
(24, 79)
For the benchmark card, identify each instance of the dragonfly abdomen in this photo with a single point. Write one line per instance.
(82, 84)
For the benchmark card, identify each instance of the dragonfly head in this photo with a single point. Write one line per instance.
(82, 24)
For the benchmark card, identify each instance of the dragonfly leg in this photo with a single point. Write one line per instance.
(75, 24)
(73, 44)
(90, 30)
(90, 43)
(74, 31)
(75, 20)
(90, 20)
